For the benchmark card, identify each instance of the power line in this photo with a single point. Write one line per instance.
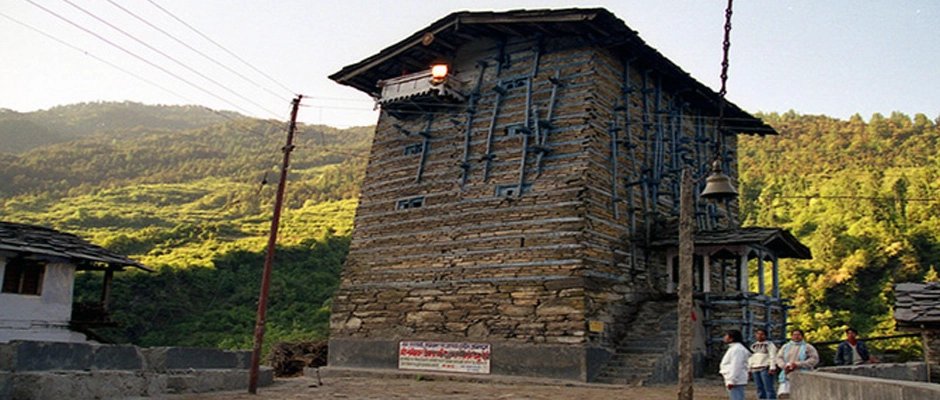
(106, 62)
(171, 58)
(177, 40)
(132, 74)
(132, 54)
(222, 47)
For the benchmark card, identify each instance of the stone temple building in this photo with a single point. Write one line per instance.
(518, 211)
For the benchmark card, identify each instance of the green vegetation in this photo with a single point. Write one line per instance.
(863, 197)
(180, 189)
(216, 307)
(190, 193)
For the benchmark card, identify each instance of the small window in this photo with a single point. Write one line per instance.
(23, 277)
(515, 84)
(415, 202)
(518, 130)
(414, 149)
(511, 190)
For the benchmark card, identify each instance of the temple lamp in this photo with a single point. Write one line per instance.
(438, 73)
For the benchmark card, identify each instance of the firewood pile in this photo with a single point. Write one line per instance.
(289, 359)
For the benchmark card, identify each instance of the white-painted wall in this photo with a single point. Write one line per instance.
(44, 317)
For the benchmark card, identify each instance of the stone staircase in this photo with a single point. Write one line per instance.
(647, 354)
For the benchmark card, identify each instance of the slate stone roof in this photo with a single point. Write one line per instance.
(44, 243)
(917, 303)
(443, 37)
(780, 241)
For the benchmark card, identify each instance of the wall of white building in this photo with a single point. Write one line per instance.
(44, 317)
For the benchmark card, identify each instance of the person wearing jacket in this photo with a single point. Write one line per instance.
(795, 355)
(761, 365)
(853, 351)
(734, 364)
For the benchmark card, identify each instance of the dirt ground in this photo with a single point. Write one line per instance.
(427, 388)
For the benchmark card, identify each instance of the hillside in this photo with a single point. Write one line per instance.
(195, 203)
(189, 193)
(75, 121)
(863, 196)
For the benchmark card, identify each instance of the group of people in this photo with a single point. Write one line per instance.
(765, 363)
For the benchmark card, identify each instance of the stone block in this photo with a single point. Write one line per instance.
(7, 357)
(352, 324)
(437, 306)
(362, 353)
(555, 309)
(172, 358)
(516, 310)
(57, 385)
(115, 357)
(424, 317)
(49, 356)
(6, 385)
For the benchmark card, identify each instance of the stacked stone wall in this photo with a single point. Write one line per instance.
(445, 247)
(470, 263)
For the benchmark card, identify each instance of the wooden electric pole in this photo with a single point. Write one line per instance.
(686, 250)
(269, 256)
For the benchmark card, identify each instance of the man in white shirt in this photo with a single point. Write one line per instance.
(734, 364)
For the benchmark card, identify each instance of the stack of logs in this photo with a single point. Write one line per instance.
(289, 359)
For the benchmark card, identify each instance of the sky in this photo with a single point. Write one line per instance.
(835, 57)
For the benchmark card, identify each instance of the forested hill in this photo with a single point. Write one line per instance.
(864, 196)
(145, 189)
(189, 192)
(182, 189)
(70, 122)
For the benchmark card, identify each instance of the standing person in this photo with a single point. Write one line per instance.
(734, 364)
(761, 365)
(796, 354)
(853, 351)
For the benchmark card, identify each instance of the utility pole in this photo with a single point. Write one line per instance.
(269, 256)
(686, 251)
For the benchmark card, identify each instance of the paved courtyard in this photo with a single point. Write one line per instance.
(427, 388)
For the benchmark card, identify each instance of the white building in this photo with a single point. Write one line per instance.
(38, 267)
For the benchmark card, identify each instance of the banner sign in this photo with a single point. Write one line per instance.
(473, 358)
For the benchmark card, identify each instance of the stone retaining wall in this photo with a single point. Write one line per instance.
(47, 370)
(912, 371)
(819, 385)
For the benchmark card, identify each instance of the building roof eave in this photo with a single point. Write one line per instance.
(781, 242)
(48, 244)
(424, 46)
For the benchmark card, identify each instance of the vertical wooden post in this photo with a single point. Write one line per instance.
(686, 249)
(269, 256)
(106, 290)
(760, 273)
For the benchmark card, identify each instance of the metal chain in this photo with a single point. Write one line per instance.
(726, 45)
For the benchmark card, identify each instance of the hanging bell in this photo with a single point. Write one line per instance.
(718, 186)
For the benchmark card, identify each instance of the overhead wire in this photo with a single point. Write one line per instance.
(130, 73)
(141, 19)
(193, 49)
(236, 123)
(169, 57)
(89, 54)
(132, 54)
(223, 48)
